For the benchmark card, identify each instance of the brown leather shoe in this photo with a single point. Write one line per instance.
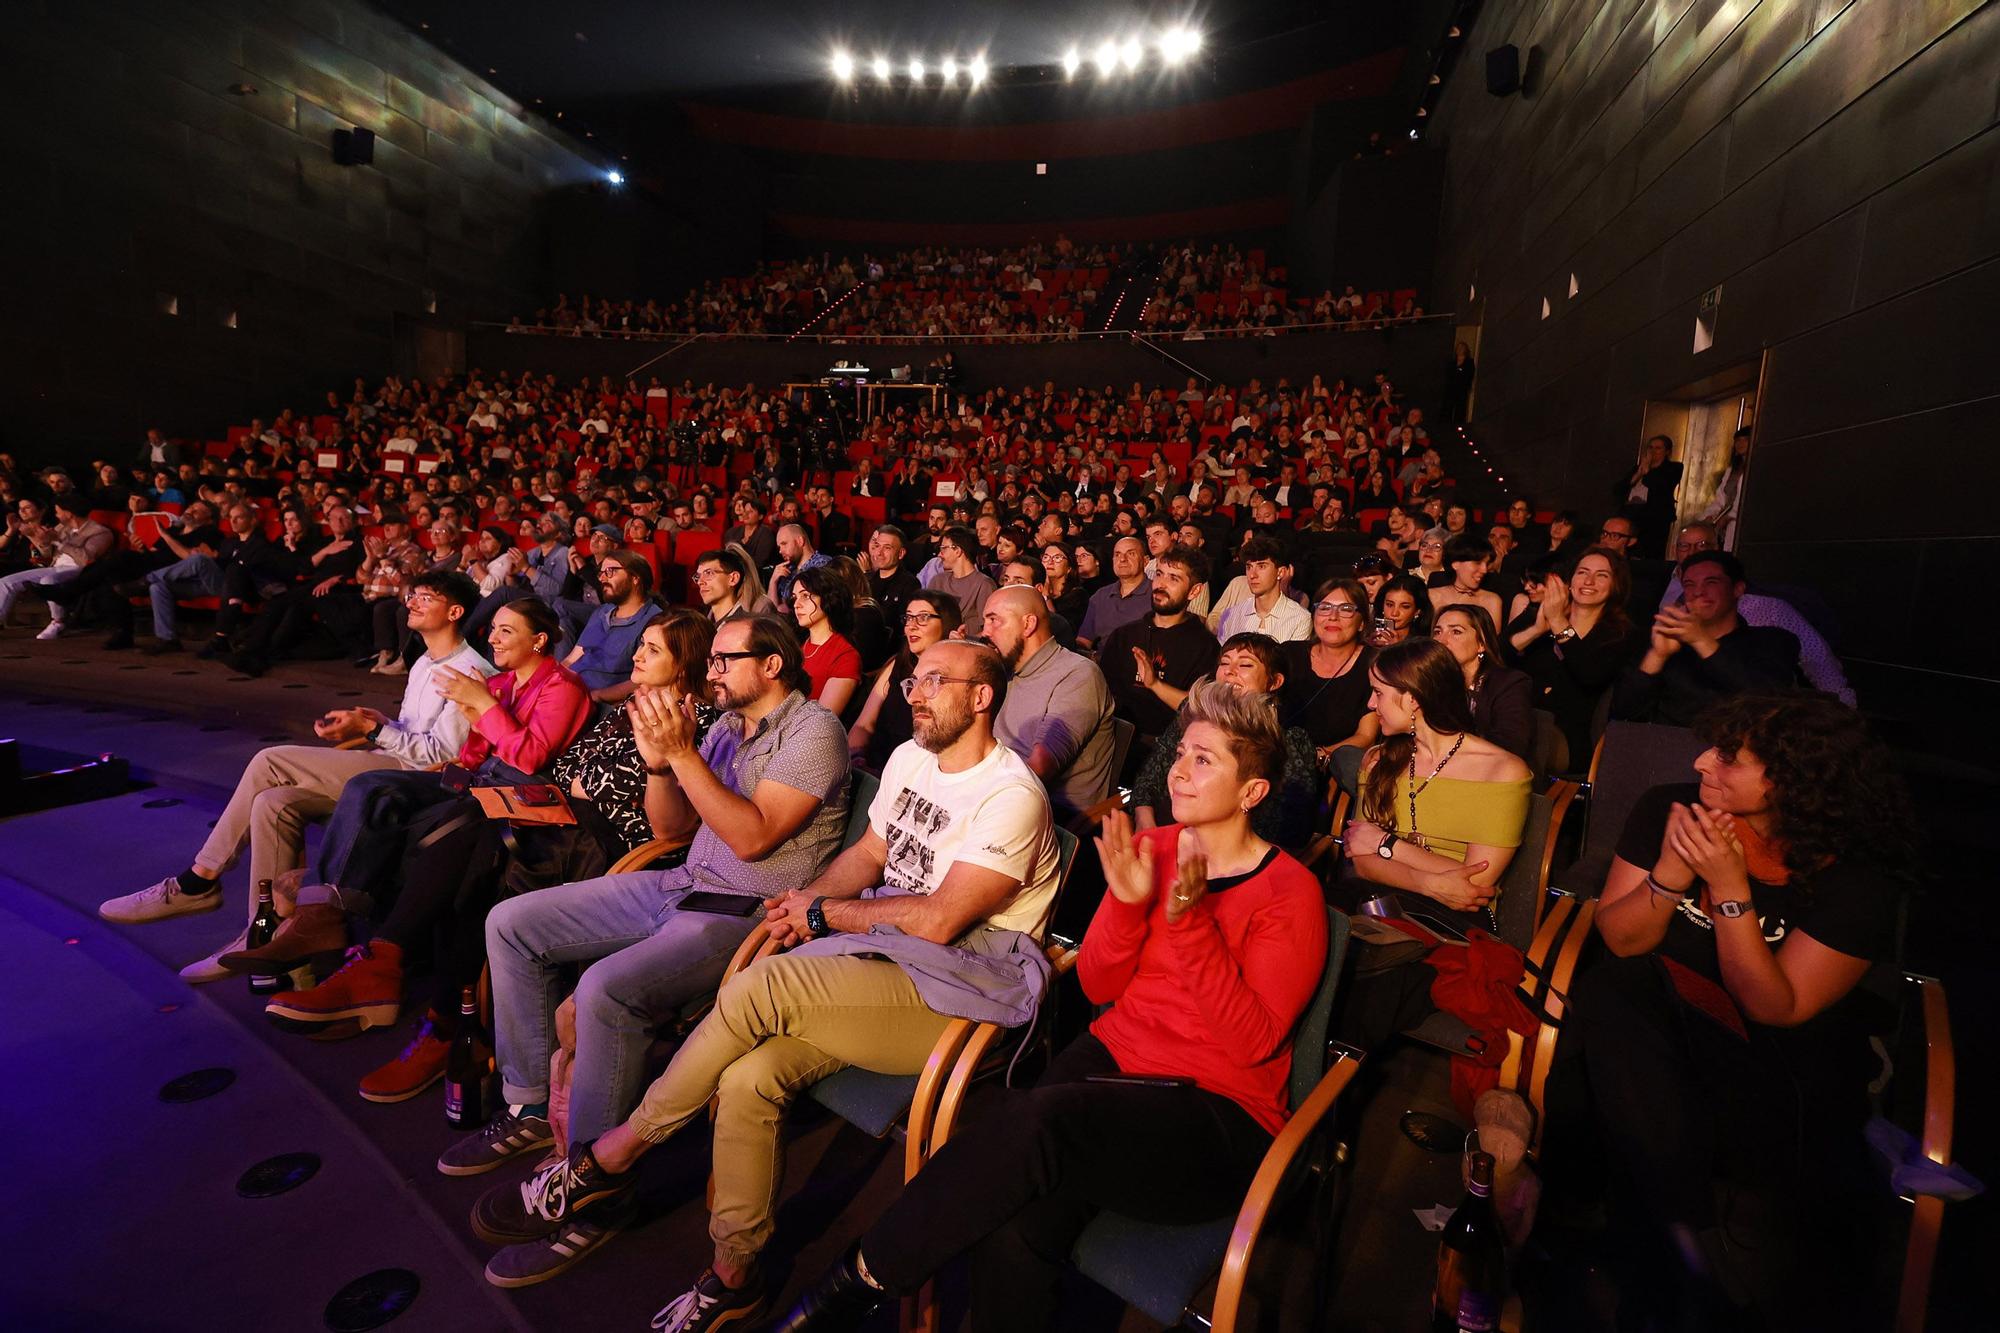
(314, 930)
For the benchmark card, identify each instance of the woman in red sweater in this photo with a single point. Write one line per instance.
(1207, 947)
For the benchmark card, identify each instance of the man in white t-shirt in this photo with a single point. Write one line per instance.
(959, 848)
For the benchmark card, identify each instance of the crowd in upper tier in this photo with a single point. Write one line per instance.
(1053, 291)
(1177, 621)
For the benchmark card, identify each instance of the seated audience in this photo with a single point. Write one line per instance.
(1817, 660)
(1502, 698)
(1205, 950)
(1254, 664)
(316, 570)
(1125, 598)
(1057, 713)
(1168, 650)
(1063, 586)
(767, 792)
(959, 859)
(1268, 607)
(796, 554)
(64, 547)
(1722, 1046)
(1441, 809)
(868, 620)
(884, 721)
(286, 787)
(1467, 561)
(1402, 611)
(1701, 650)
(521, 718)
(958, 572)
(889, 574)
(602, 655)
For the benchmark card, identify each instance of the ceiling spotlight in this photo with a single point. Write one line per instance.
(1132, 52)
(843, 66)
(1177, 44)
(1106, 58)
(949, 70)
(916, 70)
(1416, 134)
(1072, 62)
(976, 70)
(614, 177)
(879, 67)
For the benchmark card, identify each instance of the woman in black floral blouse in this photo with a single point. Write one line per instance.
(603, 777)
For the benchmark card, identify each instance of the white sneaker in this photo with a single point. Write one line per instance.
(163, 900)
(208, 969)
(52, 630)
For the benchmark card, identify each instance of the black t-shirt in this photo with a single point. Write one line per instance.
(1329, 709)
(1183, 654)
(1846, 908)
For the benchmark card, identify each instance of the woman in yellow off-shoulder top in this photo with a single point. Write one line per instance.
(1441, 810)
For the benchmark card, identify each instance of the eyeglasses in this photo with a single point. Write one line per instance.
(704, 575)
(719, 662)
(920, 617)
(1344, 610)
(1612, 534)
(927, 685)
(421, 597)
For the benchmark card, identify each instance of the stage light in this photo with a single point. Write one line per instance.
(1106, 58)
(1132, 52)
(1072, 62)
(916, 70)
(880, 67)
(615, 177)
(948, 70)
(1177, 44)
(843, 66)
(1416, 134)
(975, 71)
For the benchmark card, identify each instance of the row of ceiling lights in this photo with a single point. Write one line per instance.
(1175, 47)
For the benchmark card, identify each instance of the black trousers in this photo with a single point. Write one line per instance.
(1018, 1186)
(449, 881)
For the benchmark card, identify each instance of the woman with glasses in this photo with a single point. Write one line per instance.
(823, 610)
(1326, 676)
(885, 721)
(1064, 589)
(1502, 698)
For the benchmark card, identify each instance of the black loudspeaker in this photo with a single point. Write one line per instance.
(354, 148)
(1503, 71)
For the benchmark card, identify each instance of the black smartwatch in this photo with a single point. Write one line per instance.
(816, 919)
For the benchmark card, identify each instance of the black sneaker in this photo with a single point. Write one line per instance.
(558, 1191)
(503, 1138)
(710, 1305)
(533, 1261)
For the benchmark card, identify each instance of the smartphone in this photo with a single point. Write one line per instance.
(455, 778)
(537, 796)
(1140, 1081)
(721, 904)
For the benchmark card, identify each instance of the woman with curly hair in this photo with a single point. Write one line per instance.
(1723, 1042)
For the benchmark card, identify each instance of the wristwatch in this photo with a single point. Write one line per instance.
(1565, 635)
(1387, 849)
(1734, 909)
(816, 920)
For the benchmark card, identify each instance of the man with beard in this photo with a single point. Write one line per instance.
(767, 793)
(1151, 662)
(1057, 714)
(893, 583)
(959, 857)
(603, 652)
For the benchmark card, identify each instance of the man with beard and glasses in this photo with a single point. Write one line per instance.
(1151, 663)
(957, 870)
(768, 788)
(603, 652)
(1057, 715)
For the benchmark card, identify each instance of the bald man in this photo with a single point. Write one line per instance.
(795, 549)
(1057, 713)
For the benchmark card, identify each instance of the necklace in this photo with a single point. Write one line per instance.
(1417, 788)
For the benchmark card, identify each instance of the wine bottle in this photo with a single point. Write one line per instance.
(468, 1070)
(1472, 1260)
(262, 927)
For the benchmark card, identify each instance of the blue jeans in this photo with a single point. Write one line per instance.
(647, 960)
(196, 576)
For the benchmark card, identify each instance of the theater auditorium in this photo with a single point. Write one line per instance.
(1089, 666)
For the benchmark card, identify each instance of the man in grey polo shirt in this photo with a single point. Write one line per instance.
(766, 796)
(1057, 711)
(1120, 602)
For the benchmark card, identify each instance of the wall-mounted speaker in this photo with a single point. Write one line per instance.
(1503, 71)
(354, 148)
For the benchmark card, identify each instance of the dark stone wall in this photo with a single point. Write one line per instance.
(1834, 167)
(131, 171)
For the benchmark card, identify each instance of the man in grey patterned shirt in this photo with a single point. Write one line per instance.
(766, 795)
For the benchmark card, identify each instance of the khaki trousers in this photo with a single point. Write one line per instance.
(283, 788)
(779, 1026)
